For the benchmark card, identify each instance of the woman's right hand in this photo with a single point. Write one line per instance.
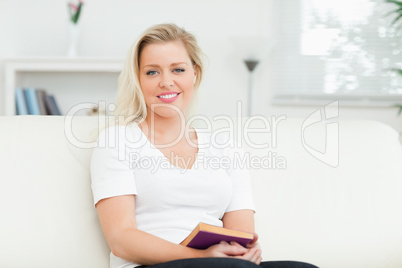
(253, 254)
(234, 250)
(224, 249)
(254, 251)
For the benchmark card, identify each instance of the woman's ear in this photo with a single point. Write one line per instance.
(195, 74)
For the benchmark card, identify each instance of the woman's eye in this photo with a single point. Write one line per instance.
(179, 70)
(151, 72)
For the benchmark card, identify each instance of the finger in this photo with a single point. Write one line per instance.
(232, 250)
(256, 256)
(234, 243)
(248, 255)
(256, 245)
(252, 242)
(255, 238)
(259, 260)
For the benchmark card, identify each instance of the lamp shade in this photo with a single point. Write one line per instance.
(251, 47)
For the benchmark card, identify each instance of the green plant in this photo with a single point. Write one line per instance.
(398, 16)
(75, 11)
(397, 11)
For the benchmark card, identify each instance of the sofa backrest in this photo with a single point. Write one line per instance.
(47, 213)
(327, 191)
(343, 216)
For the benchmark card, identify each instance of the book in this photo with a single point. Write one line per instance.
(51, 105)
(21, 102)
(33, 102)
(205, 235)
(41, 98)
(26, 99)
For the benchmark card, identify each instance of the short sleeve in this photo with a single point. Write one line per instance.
(111, 174)
(242, 196)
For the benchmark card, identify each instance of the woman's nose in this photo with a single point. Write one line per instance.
(166, 81)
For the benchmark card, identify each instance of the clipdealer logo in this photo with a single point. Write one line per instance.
(239, 161)
(327, 115)
(325, 118)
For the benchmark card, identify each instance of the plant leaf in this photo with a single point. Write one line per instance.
(399, 3)
(397, 11)
(398, 71)
(396, 19)
(400, 109)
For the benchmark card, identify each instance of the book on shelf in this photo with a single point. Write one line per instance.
(205, 235)
(51, 105)
(35, 101)
(41, 97)
(21, 103)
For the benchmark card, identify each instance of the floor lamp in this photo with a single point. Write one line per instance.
(251, 64)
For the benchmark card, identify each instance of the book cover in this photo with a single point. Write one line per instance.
(20, 102)
(33, 102)
(51, 105)
(41, 98)
(26, 100)
(205, 235)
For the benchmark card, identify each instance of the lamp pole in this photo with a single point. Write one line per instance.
(251, 64)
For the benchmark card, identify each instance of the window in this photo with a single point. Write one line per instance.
(344, 49)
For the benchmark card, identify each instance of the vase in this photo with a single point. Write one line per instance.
(74, 36)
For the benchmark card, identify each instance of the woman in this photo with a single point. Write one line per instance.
(147, 210)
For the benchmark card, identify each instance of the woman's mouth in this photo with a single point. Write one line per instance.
(168, 97)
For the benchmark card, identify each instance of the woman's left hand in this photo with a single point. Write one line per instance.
(253, 253)
(254, 243)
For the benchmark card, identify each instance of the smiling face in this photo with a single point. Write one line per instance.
(167, 78)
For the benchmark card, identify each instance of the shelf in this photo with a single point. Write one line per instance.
(71, 80)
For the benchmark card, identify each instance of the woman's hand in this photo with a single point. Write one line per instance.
(224, 249)
(243, 220)
(253, 253)
(254, 243)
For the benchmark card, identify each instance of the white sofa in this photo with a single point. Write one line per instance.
(349, 215)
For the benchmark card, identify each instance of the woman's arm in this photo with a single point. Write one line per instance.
(117, 218)
(242, 220)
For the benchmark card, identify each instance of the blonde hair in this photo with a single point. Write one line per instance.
(130, 101)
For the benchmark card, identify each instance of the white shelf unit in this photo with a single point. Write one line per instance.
(71, 80)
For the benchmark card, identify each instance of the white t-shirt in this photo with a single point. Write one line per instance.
(169, 201)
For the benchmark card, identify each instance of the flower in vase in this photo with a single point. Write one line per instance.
(75, 11)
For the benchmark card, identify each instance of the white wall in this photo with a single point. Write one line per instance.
(107, 29)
